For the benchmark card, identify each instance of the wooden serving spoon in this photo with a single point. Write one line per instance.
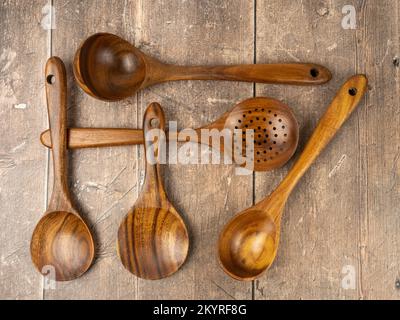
(276, 133)
(153, 241)
(61, 239)
(110, 68)
(249, 242)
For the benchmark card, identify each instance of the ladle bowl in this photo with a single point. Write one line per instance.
(248, 244)
(109, 67)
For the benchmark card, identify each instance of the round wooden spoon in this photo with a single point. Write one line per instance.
(249, 242)
(276, 133)
(153, 241)
(110, 68)
(61, 239)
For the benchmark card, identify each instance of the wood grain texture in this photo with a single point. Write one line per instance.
(153, 240)
(208, 33)
(103, 182)
(105, 198)
(109, 68)
(61, 239)
(378, 52)
(274, 135)
(81, 138)
(327, 240)
(320, 238)
(249, 242)
(22, 160)
(351, 194)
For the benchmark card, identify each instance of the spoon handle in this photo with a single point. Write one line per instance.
(56, 90)
(292, 73)
(153, 192)
(81, 138)
(344, 103)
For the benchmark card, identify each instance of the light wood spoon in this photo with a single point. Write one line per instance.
(61, 239)
(110, 68)
(276, 133)
(249, 242)
(153, 241)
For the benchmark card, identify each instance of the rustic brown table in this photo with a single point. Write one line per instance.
(341, 228)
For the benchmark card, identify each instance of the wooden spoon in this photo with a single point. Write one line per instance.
(276, 133)
(61, 239)
(153, 241)
(249, 243)
(110, 68)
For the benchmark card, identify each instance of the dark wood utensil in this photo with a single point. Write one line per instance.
(276, 133)
(153, 241)
(110, 68)
(61, 239)
(249, 242)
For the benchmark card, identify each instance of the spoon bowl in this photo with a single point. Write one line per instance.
(110, 68)
(171, 242)
(63, 241)
(153, 241)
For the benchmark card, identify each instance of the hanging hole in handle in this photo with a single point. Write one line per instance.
(314, 73)
(352, 91)
(154, 123)
(51, 79)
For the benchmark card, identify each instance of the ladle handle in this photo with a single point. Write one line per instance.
(344, 103)
(292, 73)
(154, 137)
(56, 90)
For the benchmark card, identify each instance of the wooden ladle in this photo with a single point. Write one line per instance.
(276, 133)
(249, 242)
(110, 68)
(61, 239)
(153, 241)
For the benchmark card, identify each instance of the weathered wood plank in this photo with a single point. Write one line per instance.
(103, 181)
(199, 32)
(320, 228)
(201, 277)
(343, 213)
(378, 48)
(22, 159)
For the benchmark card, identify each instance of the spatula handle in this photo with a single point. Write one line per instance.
(342, 106)
(291, 73)
(56, 91)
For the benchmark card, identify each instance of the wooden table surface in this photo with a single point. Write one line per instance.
(341, 228)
